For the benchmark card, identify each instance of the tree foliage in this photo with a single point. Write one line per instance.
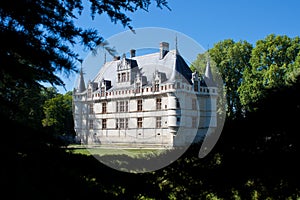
(59, 116)
(248, 72)
(274, 64)
(229, 58)
(37, 39)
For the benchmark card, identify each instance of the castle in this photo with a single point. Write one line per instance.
(150, 100)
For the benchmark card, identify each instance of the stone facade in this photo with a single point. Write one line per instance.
(150, 100)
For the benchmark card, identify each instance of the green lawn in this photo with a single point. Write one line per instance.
(134, 152)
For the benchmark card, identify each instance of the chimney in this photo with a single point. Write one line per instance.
(163, 48)
(132, 53)
(116, 58)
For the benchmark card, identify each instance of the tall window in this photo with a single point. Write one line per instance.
(139, 105)
(122, 123)
(158, 122)
(123, 77)
(158, 104)
(196, 86)
(126, 123)
(156, 86)
(104, 123)
(122, 106)
(138, 87)
(89, 94)
(126, 106)
(140, 122)
(102, 91)
(119, 77)
(91, 124)
(194, 122)
(91, 108)
(177, 103)
(104, 107)
(194, 104)
(117, 124)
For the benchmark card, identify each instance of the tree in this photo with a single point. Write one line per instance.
(37, 38)
(230, 58)
(274, 64)
(59, 116)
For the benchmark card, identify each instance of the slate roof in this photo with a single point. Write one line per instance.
(171, 64)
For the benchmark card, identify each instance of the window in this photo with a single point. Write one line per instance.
(194, 122)
(91, 108)
(128, 76)
(158, 104)
(126, 123)
(178, 119)
(102, 91)
(117, 124)
(177, 103)
(196, 86)
(123, 77)
(122, 106)
(138, 88)
(194, 104)
(158, 122)
(89, 94)
(156, 86)
(104, 106)
(122, 123)
(119, 77)
(140, 122)
(126, 106)
(91, 124)
(139, 105)
(104, 123)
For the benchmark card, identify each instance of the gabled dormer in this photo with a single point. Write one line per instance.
(195, 81)
(139, 81)
(104, 85)
(126, 71)
(158, 78)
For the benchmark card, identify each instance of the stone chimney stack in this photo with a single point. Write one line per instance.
(132, 53)
(163, 48)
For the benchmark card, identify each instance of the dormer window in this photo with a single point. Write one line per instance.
(196, 86)
(102, 91)
(123, 77)
(138, 87)
(156, 86)
(89, 93)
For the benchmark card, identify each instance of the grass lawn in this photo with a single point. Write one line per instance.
(133, 152)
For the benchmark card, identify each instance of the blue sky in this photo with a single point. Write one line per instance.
(207, 22)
